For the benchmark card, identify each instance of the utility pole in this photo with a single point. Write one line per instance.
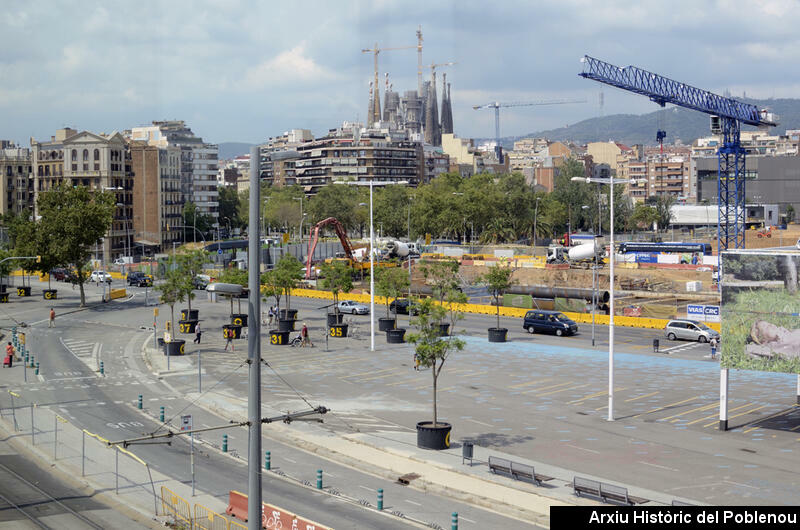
(254, 353)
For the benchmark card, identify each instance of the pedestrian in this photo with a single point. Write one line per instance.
(416, 362)
(197, 333)
(228, 339)
(10, 351)
(271, 314)
(306, 341)
(713, 344)
(52, 323)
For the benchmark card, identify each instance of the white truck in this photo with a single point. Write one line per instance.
(584, 253)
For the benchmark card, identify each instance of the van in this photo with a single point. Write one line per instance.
(689, 330)
(123, 260)
(538, 321)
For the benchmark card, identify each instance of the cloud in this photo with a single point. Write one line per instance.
(290, 67)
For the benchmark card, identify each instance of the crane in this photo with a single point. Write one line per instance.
(433, 66)
(375, 106)
(497, 106)
(727, 117)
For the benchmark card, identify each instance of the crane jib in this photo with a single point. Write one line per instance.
(663, 90)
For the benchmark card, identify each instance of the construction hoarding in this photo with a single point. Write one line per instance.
(761, 310)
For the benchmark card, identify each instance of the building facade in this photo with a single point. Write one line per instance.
(16, 178)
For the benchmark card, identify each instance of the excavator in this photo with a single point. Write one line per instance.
(359, 266)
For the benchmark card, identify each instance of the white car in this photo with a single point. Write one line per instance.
(798, 244)
(100, 276)
(355, 308)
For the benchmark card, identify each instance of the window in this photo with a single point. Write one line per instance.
(97, 154)
(96, 166)
(86, 154)
(74, 154)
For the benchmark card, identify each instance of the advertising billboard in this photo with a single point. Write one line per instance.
(760, 311)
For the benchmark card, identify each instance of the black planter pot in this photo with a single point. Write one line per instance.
(338, 331)
(286, 324)
(50, 294)
(187, 314)
(245, 293)
(160, 342)
(497, 334)
(3, 297)
(430, 437)
(175, 347)
(187, 326)
(395, 336)
(239, 319)
(278, 338)
(3, 287)
(24, 290)
(229, 330)
(444, 330)
(334, 319)
(385, 324)
(292, 314)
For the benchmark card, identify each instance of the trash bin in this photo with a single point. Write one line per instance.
(655, 345)
(466, 452)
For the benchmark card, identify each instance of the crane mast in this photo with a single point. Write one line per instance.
(727, 117)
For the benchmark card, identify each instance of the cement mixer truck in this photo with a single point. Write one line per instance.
(580, 254)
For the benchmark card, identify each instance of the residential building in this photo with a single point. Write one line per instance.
(97, 161)
(669, 175)
(16, 178)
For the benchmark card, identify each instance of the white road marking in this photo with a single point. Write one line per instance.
(583, 449)
(656, 465)
(366, 488)
(480, 422)
(412, 502)
(289, 460)
(462, 518)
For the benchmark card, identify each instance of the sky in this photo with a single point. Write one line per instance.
(243, 71)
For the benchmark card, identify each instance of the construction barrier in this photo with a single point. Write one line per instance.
(237, 505)
(272, 517)
(176, 506)
(117, 293)
(207, 519)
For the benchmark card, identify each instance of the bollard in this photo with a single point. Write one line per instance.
(224, 443)
(380, 498)
(267, 462)
(37, 369)
(161, 415)
(139, 404)
(454, 521)
(102, 369)
(31, 361)
(27, 359)
(319, 479)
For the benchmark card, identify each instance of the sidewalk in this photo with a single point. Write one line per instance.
(441, 472)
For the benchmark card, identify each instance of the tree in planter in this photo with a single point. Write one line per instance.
(24, 234)
(271, 288)
(235, 276)
(337, 277)
(173, 290)
(497, 280)
(391, 283)
(191, 264)
(289, 272)
(76, 218)
(431, 348)
(442, 276)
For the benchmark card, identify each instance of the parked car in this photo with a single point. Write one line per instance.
(100, 276)
(402, 306)
(59, 274)
(201, 281)
(689, 330)
(549, 322)
(139, 279)
(355, 308)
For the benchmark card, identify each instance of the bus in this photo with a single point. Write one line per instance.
(630, 247)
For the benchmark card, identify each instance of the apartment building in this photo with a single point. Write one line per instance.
(97, 161)
(16, 178)
(157, 198)
(669, 175)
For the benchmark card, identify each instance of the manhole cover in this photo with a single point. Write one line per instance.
(407, 478)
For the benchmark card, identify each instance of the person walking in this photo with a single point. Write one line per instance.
(197, 333)
(52, 322)
(272, 314)
(229, 339)
(713, 344)
(416, 362)
(306, 341)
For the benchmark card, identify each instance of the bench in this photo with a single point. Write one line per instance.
(604, 491)
(516, 470)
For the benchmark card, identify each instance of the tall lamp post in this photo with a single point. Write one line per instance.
(410, 198)
(300, 198)
(612, 252)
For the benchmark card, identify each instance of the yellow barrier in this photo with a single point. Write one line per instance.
(236, 524)
(117, 293)
(207, 519)
(175, 505)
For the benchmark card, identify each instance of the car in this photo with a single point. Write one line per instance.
(689, 330)
(201, 281)
(355, 308)
(59, 274)
(402, 306)
(139, 279)
(555, 322)
(100, 276)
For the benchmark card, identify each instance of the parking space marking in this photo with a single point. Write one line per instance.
(756, 426)
(665, 406)
(704, 407)
(717, 415)
(529, 383)
(591, 396)
(642, 396)
(546, 387)
(394, 372)
(368, 373)
(564, 389)
(736, 415)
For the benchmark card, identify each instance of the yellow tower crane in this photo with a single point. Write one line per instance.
(375, 102)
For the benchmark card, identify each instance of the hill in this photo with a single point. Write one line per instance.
(684, 124)
(229, 150)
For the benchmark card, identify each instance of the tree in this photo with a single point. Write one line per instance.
(338, 278)
(442, 276)
(192, 217)
(76, 218)
(789, 214)
(390, 208)
(643, 217)
(229, 205)
(289, 272)
(497, 279)
(271, 287)
(663, 206)
(431, 348)
(190, 264)
(391, 282)
(173, 290)
(25, 244)
(337, 201)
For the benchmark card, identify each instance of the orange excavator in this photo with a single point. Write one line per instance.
(314, 237)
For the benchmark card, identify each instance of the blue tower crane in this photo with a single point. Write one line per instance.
(727, 117)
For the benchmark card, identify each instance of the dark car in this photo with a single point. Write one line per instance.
(139, 279)
(402, 306)
(549, 322)
(201, 281)
(59, 274)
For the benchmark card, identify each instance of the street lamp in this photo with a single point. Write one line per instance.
(612, 253)
(300, 198)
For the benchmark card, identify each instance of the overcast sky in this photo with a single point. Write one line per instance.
(245, 71)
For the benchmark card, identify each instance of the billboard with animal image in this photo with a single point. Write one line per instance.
(760, 311)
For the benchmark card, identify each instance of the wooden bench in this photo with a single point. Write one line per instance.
(516, 470)
(604, 491)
